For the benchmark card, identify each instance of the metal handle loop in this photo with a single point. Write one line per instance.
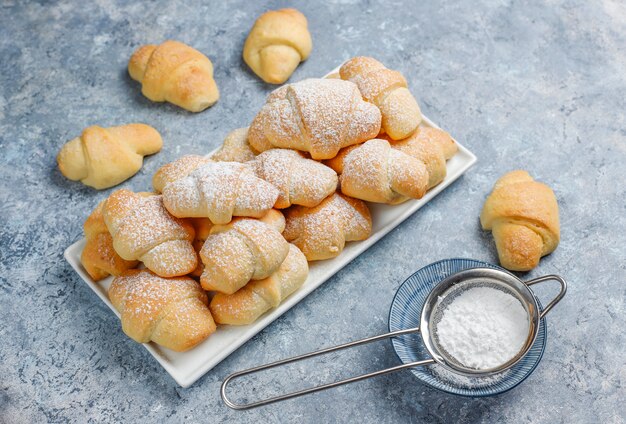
(557, 298)
(240, 406)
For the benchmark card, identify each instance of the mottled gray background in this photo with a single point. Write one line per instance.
(537, 85)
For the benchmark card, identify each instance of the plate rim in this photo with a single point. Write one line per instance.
(543, 323)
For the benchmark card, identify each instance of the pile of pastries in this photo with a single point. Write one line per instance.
(224, 239)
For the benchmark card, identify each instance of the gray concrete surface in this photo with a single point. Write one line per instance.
(533, 85)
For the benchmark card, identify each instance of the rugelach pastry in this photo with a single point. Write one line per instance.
(523, 216)
(277, 43)
(172, 312)
(104, 157)
(142, 229)
(176, 73)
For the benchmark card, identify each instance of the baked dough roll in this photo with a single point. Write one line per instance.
(300, 181)
(277, 43)
(377, 173)
(219, 191)
(244, 250)
(172, 312)
(322, 232)
(523, 216)
(105, 157)
(235, 148)
(176, 170)
(176, 73)
(247, 304)
(319, 116)
(273, 218)
(142, 229)
(387, 89)
(98, 257)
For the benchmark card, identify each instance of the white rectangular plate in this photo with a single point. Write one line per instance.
(187, 367)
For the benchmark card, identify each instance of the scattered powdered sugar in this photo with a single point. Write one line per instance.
(466, 381)
(483, 327)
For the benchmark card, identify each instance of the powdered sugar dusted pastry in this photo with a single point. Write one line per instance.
(300, 181)
(322, 232)
(171, 312)
(235, 148)
(433, 147)
(388, 90)
(273, 218)
(99, 258)
(142, 229)
(523, 216)
(377, 173)
(319, 116)
(247, 304)
(176, 170)
(244, 250)
(219, 191)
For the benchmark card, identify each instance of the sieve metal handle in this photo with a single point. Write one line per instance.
(242, 406)
(557, 298)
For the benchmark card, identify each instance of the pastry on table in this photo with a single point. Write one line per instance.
(523, 216)
(300, 181)
(322, 232)
(219, 191)
(99, 258)
(273, 218)
(172, 312)
(142, 229)
(243, 250)
(319, 116)
(235, 148)
(176, 170)
(176, 73)
(277, 43)
(387, 89)
(375, 172)
(104, 157)
(247, 304)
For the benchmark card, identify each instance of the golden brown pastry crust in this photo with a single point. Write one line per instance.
(98, 257)
(105, 157)
(387, 89)
(523, 216)
(171, 312)
(142, 229)
(319, 116)
(219, 191)
(235, 148)
(377, 173)
(176, 170)
(322, 232)
(247, 304)
(244, 250)
(176, 73)
(300, 181)
(277, 43)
